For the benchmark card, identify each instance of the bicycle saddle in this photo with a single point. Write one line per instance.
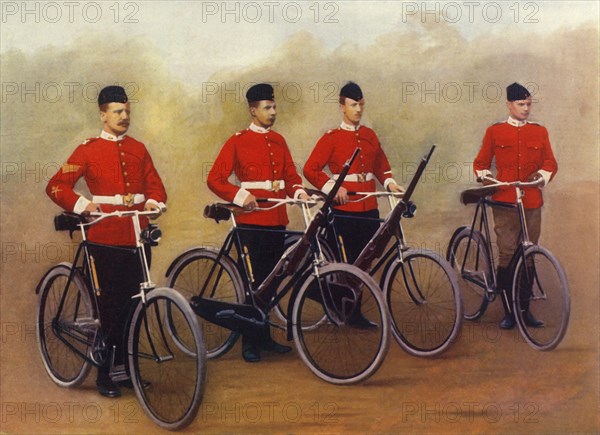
(218, 212)
(472, 196)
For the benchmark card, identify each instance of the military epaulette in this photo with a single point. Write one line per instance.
(533, 122)
(499, 122)
(90, 140)
(333, 130)
(241, 132)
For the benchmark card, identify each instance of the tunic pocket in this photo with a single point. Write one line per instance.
(505, 154)
(534, 150)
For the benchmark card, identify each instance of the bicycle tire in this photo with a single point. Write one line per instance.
(540, 286)
(189, 274)
(168, 382)
(476, 267)
(63, 364)
(339, 351)
(424, 301)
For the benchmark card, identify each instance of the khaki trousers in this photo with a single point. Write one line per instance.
(508, 230)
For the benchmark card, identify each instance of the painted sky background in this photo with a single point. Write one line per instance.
(197, 38)
(432, 72)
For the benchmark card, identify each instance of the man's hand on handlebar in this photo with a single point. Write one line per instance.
(393, 187)
(150, 206)
(536, 176)
(250, 203)
(92, 207)
(341, 197)
(487, 180)
(304, 196)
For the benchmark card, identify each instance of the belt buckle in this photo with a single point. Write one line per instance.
(362, 177)
(128, 200)
(275, 185)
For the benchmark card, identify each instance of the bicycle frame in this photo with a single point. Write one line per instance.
(250, 319)
(481, 223)
(88, 271)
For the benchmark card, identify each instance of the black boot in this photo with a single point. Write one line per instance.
(250, 349)
(271, 345)
(529, 319)
(106, 386)
(358, 320)
(505, 288)
(525, 295)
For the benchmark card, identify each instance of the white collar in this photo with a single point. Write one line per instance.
(258, 129)
(349, 127)
(512, 121)
(111, 137)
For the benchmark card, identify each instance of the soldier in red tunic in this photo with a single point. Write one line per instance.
(522, 152)
(332, 151)
(260, 159)
(120, 175)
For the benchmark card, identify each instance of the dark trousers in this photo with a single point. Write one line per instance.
(355, 229)
(264, 245)
(119, 274)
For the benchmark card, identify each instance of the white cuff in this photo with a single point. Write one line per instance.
(483, 173)
(546, 176)
(160, 205)
(240, 197)
(387, 182)
(299, 192)
(81, 205)
(327, 187)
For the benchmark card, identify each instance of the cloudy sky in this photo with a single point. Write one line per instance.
(198, 38)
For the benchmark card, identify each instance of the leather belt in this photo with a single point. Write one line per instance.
(274, 185)
(129, 200)
(357, 178)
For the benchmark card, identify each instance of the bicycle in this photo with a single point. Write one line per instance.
(420, 287)
(538, 285)
(168, 382)
(324, 298)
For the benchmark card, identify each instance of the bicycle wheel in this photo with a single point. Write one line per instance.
(468, 254)
(63, 337)
(168, 382)
(281, 309)
(540, 287)
(198, 273)
(423, 296)
(351, 345)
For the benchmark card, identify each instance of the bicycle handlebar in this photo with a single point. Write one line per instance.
(118, 213)
(498, 183)
(365, 195)
(222, 211)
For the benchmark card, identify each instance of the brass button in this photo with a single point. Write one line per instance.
(125, 173)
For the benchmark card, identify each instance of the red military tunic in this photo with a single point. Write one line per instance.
(333, 150)
(110, 165)
(255, 155)
(520, 149)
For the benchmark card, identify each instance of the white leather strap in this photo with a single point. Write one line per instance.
(128, 200)
(273, 185)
